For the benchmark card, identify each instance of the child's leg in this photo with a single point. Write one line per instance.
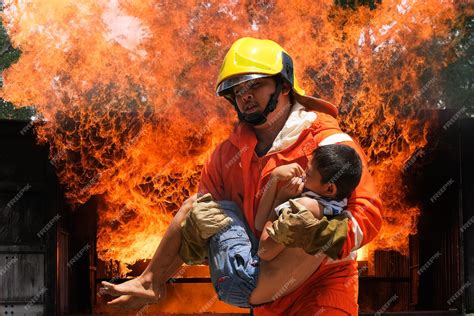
(164, 264)
(233, 262)
(240, 278)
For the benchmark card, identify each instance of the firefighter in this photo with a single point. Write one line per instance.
(278, 124)
(269, 135)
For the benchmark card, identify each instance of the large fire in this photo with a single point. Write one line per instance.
(126, 92)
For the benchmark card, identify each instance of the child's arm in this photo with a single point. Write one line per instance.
(282, 173)
(312, 205)
(268, 248)
(266, 203)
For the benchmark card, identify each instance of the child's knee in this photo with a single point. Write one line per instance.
(185, 208)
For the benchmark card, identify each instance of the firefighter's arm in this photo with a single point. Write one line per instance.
(298, 228)
(341, 234)
(211, 175)
(363, 210)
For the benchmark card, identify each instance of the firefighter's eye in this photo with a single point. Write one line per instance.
(239, 93)
(255, 85)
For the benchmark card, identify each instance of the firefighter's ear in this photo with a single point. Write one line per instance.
(286, 88)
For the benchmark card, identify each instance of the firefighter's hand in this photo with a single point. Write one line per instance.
(293, 225)
(296, 227)
(204, 220)
(207, 216)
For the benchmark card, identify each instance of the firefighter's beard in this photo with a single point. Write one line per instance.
(255, 117)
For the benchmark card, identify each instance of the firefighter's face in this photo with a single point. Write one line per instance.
(252, 96)
(313, 182)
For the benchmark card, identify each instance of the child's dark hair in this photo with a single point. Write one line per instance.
(338, 164)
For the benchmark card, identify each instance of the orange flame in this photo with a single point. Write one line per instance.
(126, 88)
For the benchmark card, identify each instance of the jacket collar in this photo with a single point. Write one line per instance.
(300, 118)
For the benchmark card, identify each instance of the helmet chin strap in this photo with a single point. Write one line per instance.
(260, 118)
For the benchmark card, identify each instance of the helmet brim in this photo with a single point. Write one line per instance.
(229, 83)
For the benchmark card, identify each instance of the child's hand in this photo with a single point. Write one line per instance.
(287, 172)
(291, 189)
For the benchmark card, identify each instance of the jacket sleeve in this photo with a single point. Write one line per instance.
(364, 205)
(211, 176)
(364, 210)
(193, 248)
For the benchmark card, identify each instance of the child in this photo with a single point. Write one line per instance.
(333, 173)
(244, 276)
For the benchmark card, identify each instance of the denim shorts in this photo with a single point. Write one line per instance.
(233, 260)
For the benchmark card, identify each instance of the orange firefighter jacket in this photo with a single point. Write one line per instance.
(234, 172)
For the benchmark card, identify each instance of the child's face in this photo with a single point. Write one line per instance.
(313, 179)
(313, 182)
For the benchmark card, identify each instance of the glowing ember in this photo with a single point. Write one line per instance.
(127, 92)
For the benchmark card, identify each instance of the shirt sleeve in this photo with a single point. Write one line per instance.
(283, 205)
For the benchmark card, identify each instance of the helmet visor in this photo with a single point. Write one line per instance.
(223, 87)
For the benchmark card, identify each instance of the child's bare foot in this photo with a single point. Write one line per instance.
(130, 302)
(137, 287)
